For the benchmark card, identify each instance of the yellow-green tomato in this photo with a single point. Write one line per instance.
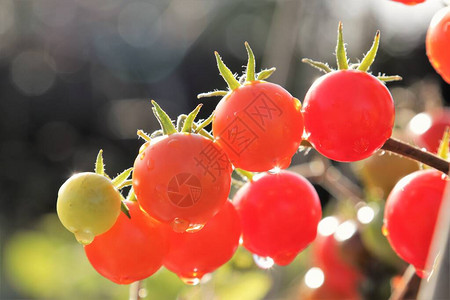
(88, 205)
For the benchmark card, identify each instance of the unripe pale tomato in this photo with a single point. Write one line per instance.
(410, 215)
(437, 43)
(279, 215)
(259, 125)
(88, 205)
(349, 114)
(182, 179)
(192, 255)
(133, 249)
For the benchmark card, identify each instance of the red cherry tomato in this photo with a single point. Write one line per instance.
(410, 215)
(427, 129)
(192, 255)
(437, 43)
(340, 276)
(349, 114)
(259, 125)
(410, 2)
(279, 215)
(133, 249)
(182, 179)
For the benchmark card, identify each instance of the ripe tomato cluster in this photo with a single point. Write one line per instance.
(178, 214)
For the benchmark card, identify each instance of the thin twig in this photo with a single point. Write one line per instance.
(135, 289)
(402, 288)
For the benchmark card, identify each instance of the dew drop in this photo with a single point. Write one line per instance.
(384, 230)
(194, 228)
(150, 164)
(174, 143)
(190, 281)
(179, 225)
(263, 262)
(84, 237)
(142, 156)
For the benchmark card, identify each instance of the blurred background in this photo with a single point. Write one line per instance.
(77, 76)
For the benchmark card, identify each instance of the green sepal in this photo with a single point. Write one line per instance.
(341, 53)
(370, 55)
(189, 122)
(212, 94)
(99, 166)
(245, 174)
(163, 119)
(204, 123)
(124, 208)
(385, 78)
(318, 65)
(180, 121)
(157, 133)
(131, 195)
(226, 73)
(250, 72)
(120, 179)
(443, 150)
(266, 73)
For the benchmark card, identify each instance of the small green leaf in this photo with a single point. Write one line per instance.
(212, 94)
(180, 121)
(264, 74)
(204, 123)
(370, 55)
(121, 178)
(318, 65)
(124, 209)
(189, 122)
(157, 133)
(163, 119)
(203, 132)
(226, 73)
(341, 53)
(250, 64)
(99, 166)
(131, 195)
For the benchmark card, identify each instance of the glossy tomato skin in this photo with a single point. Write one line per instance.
(259, 125)
(182, 179)
(192, 255)
(409, 2)
(133, 249)
(340, 276)
(348, 115)
(410, 215)
(437, 43)
(427, 128)
(279, 215)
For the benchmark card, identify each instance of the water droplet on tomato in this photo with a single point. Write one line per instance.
(263, 262)
(179, 225)
(142, 155)
(174, 143)
(384, 230)
(150, 164)
(190, 281)
(194, 227)
(84, 237)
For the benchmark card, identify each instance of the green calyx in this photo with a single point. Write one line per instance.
(443, 150)
(342, 60)
(120, 181)
(233, 83)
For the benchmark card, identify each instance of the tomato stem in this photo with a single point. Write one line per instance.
(370, 55)
(341, 53)
(386, 78)
(226, 73)
(204, 123)
(250, 64)
(427, 158)
(212, 94)
(143, 135)
(135, 289)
